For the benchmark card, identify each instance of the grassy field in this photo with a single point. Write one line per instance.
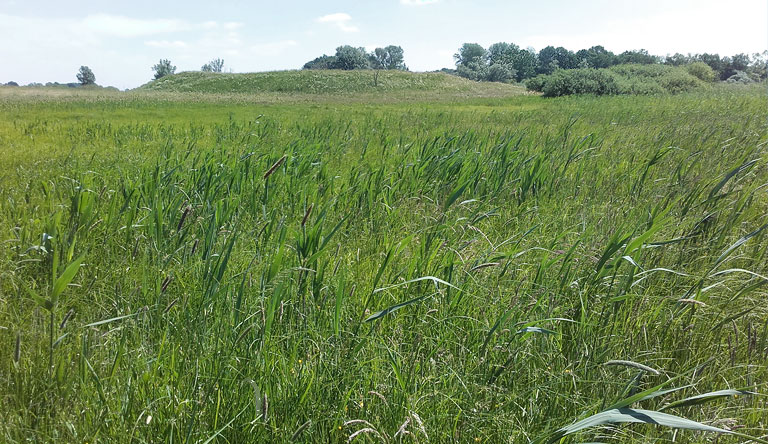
(213, 268)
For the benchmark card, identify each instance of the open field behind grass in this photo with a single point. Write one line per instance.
(203, 269)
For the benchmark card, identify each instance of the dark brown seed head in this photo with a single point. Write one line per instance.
(183, 217)
(17, 350)
(166, 282)
(306, 215)
(274, 167)
(66, 318)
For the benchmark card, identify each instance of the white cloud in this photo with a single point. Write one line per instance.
(166, 44)
(671, 33)
(231, 26)
(341, 20)
(120, 50)
(119, 26)
(418, 2)
(273, 48)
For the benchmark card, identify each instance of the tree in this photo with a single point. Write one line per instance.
(85, 76)
(701, 71)
(472, 62)
(390, 57)
(520, 62)
(596, 57)
(470, 55)
(500, 72)
(163, 68)
(501, 53)
(678, 59)
(215, 65)
(713, 60)
(640, 56)
(349, 58)
(525, 63)
(758, 65)
(322, 62)
(551, 58)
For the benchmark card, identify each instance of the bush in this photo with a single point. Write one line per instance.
(740, 77)
(536, 83)
(620, 79)
(322, 62)
(581, 81)
(634, 70)
(640, 87)
(701, 71)
(473, 71)
(679, 81)
(499, 72)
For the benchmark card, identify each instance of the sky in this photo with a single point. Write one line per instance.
(46, 41)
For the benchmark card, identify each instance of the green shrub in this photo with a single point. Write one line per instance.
(640, 87)
(701, 71)
(679, 81)
(581, 81)
(620, 79)
(740, 77)
(634, 70)
(536, 83)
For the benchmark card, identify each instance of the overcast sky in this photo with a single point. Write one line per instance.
(43, 41)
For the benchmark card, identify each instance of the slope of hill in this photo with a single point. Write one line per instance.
(324, 82)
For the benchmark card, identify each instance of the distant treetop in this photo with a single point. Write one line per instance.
(163, 68)
(215, 65)
(85, 76)
(350, 58)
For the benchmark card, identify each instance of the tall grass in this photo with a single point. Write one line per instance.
(503, 270)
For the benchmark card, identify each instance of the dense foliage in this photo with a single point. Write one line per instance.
(619, 79)
(351, 58)
(215, 65)
(163, 68)
(504, 62)
(85, 76)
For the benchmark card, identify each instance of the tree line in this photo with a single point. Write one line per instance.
(506, 62)
(502, 62)
(349, 58)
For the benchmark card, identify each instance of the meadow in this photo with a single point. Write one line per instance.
(458, 267)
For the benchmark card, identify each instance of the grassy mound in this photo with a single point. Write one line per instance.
(319, 82)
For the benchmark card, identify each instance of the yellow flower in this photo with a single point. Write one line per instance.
(477, 439)
(299, 361)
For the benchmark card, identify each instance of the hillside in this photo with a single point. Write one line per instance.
(325, 82)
